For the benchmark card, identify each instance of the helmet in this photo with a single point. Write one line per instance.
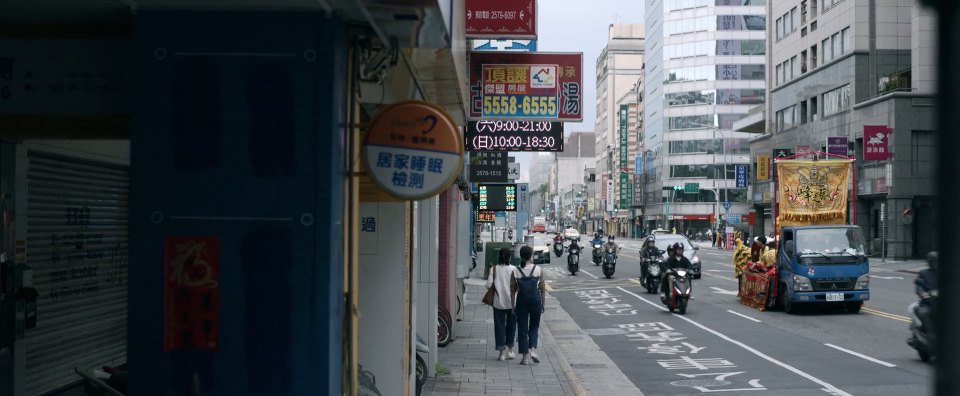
(677, 246)
(932, 259)
(611, 237)
(650, 239)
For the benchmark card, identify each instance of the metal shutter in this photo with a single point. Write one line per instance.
(77, 239)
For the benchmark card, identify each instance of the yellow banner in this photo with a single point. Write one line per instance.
(812, 192)
(763, 167)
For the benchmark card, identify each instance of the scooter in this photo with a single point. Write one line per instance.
(597, 254)
(609, 262)
(652, 280)
(679, 294)
(922, 335)
(421, 364)
(573, 258)
(558, 248)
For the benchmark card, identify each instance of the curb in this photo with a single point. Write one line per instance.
(572, 378)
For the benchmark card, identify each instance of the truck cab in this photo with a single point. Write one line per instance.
(822, 264)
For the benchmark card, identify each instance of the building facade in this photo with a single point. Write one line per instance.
(704, 71)
(838, 67)
(570, 167)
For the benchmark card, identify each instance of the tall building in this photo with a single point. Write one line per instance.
(705, 69)
(540, 168)
(570, 168)
(838, 68)
(619, 66)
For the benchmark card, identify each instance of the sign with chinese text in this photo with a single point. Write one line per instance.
(875, 146)
(369, 236)
(504, 19)
(413, 150)
(486, 216)
(514, 136)
(741, 174)
(837, 145)
(637, 190)
(691, 188)
(513, 171)
(191, 293)
(763, 167)
(489, 167)
(782, 153)
(609, 193)
(623, 136)
(812, 192)
(498, 197)
(626, 191)
(526, 86)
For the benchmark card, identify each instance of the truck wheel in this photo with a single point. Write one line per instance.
(854, 307)
(788, 305)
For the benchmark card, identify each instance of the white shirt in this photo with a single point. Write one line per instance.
(503, 299)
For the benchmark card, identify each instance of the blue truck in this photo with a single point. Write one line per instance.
(822, 264)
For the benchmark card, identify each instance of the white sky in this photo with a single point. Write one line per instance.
(580, 26)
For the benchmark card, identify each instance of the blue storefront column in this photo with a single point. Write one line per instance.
(237, 134)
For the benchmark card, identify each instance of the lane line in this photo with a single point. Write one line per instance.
(592, 275)
(862, 356)
(886, 315)
(744, 316)
(826, 386)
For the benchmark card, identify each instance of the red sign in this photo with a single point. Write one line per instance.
(486, 216)
(526, 86)
(875, 146)
(501, 19)
(191, 293)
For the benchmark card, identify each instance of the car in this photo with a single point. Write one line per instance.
(571, 234)
(662, 241)
(541, 250)
(660, 231)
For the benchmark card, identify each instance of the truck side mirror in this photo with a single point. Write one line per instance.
(789, 247)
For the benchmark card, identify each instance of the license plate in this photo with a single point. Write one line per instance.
(834, 296)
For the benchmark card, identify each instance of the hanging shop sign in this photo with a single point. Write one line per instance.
(626, 191)
(498, 197)
(763, 167)
(413, 150)
(837, 145)
(191, 293)
(503, 19)
(875, 142)
(513, 136)
(623, 136)
(741, 175)
(534, 86)
(489, 167)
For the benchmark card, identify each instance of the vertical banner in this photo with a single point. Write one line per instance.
(626, 191)
(741, 173)
(623, 137)
(609, 194)
(191, 293)
(763, 167)
(875, 146)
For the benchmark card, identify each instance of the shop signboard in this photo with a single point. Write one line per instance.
(535, 86)
(875, 142)
(489, 167)
(491, 135)
(741, 173)
(837, 145)
(763, 167)
(626, 191)
(500, 19)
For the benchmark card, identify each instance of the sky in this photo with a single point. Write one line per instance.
(579, 26)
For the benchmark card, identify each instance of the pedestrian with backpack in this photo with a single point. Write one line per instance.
(504, 320)
(528, 288)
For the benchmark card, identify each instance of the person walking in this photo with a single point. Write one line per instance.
(528, 287)
(504, 320)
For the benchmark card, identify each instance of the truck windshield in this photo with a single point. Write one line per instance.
(830, 241)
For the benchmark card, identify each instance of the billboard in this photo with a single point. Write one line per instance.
(503, 19)
(526, 86)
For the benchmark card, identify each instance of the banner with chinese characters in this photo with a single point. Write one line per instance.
(501, 19)
(626, 191)
(812, 192)
(526, 86)
(763, 167)
(191, 293)
(754, 290)
(624, 110)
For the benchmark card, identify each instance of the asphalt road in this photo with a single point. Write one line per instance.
(723, 346)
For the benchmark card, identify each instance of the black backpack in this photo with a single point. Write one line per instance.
(528, 289)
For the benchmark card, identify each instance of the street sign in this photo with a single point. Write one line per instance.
(691, 188)
(505, 19)
(741, 173)
(837, 145)
(513, 136)
(526, 86)
(408, 151)
(726, 205)
(489, 167)
(732, 218)
(523, 196)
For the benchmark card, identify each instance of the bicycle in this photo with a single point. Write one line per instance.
(444, 327)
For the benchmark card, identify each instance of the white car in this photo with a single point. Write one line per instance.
(571, 234)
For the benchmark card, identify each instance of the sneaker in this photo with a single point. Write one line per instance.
(503, 355)
(510, 354)
(525, 359)
(533, 355)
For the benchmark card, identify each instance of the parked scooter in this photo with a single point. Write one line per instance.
(679, 293)
(609, 261)
(573, 257)
(921, 327)
(421, 364)
(652, 280)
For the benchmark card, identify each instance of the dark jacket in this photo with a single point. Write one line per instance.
(673, 262)
(926, 281)
(651, 253)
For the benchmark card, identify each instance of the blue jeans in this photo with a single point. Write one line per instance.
(504, 328)
(528, 325)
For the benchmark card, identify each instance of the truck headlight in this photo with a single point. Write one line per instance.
(863, 282)
(801, 283)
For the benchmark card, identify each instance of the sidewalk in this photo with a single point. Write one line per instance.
(474, 369)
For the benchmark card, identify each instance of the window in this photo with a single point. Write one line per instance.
(813, 56)
(836, 101)
(786, 118)
(715, 72)
(803, 32)
(704, 171)
(794, 67)
(721, 22)
(779, 28)
(813, 11)
(837, 50)
(813, 109)
(803, 61)
(690, 122)
(813, 26)
(827, 55)
(803, 112)
(779, 74)
(794, 22)
(847, 43)
(710, 97)
(803, 12)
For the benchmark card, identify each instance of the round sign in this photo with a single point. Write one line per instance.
(907, 216)
(413, 150)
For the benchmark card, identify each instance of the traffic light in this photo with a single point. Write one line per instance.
(677, 188)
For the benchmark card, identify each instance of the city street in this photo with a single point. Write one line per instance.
(723, 346)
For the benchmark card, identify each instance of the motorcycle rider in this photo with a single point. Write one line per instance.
(649, 252)
(926, 285)
(611, 245)
(675, 261)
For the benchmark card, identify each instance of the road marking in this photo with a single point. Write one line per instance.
(744, 316)
(886, 277)
(886, 315)
(592, 275)
(723, 291)
(862, 356)
(716, 270)
(826, 386)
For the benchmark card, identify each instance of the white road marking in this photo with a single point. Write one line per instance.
(744, 316)
(585, 272)
(862, 356)
(826, 386)
(886, 277)
(716, 270)
(723, 291)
